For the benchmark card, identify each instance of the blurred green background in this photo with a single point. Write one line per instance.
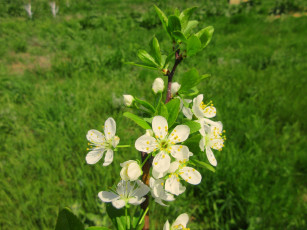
(62, 76)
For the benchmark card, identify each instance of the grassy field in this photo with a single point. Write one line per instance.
(62, 76)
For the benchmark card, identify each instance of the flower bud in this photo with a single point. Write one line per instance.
(128, 100)
(130, 171)
(158, 85)
(175, 88)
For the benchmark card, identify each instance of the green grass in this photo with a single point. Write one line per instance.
(61, 77)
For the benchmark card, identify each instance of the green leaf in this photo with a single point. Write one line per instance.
(169, 57)
(193, 45)
(162, 110)
(193, 143)
(155, 49)
(135, 220)
(173, 107)
(97, 228)
(189, 80)
(185, 16)
(145, 104)
(189, 27)
(173, 24)
(68, 221)
(139, 121)
(117, 216)
(179, 36)
(193, 125)
(162, 17)
(203, 165)
(141, 65)
(202, 77)
(205, 36)
(147, 58)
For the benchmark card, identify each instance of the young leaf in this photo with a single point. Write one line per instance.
(193, 125)
(193, 143)
(203, 165)
(173, 107)
(189, 27)
(117, 216)
(193, 45)
(179, 36)
(169, 57)
(205, 35)
(162, 17)
(185, 16)
(173, 24)
(147, 58)
(139, 121)
(189, 80)
(141, 65)
(162, 110)
(155, 49)
(68, 221)
(145, 104)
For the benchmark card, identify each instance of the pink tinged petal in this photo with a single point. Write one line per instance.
(209, 111)
(190, 175)
(146, 144)
(118, 203)
(94, 156)
(161, 162)
(196, 106)
(108, 159)
(202, 144)
(180, 152)
(95, 136)
(187, 112)
(159, 127)
(166, 226)
(182, 219)
(107, 196)
(211, 156)
(109, 128)
(179, 134)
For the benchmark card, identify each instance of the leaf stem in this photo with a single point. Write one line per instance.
(127, 220)
(123, 146)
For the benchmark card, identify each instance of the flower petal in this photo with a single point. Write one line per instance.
(142, 190)
(160, 127)
(209, 111)
(161, 162)
(146, 144)
(202, 144)
(95, 136)
(134, 171)
(166, 226)
(115, 141)
(106, 196)
(190, 175)
(174, 186)
(180, 152)
(182, 219)
(197, 106)
(173, 167)
(109, 128)
(217, 144)
(187, 112)
(211, 156)
(108, 159)
(157, 174)
(118, 203)
(179, 134)
(136, 201)
(94, 156)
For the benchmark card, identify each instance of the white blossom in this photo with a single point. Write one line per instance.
(158, 85)
(126, 193)
(179, 170)
(201, 110)
(175, 88)
(158, 192)
(100, 143)
(211, 138)
(128, 100)
(164, 143)
(131, 170)
(180, 223)
(28, 9)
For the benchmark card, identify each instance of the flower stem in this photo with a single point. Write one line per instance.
(122, 146)
(127, 219)
(142, 218)
(148, 155)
